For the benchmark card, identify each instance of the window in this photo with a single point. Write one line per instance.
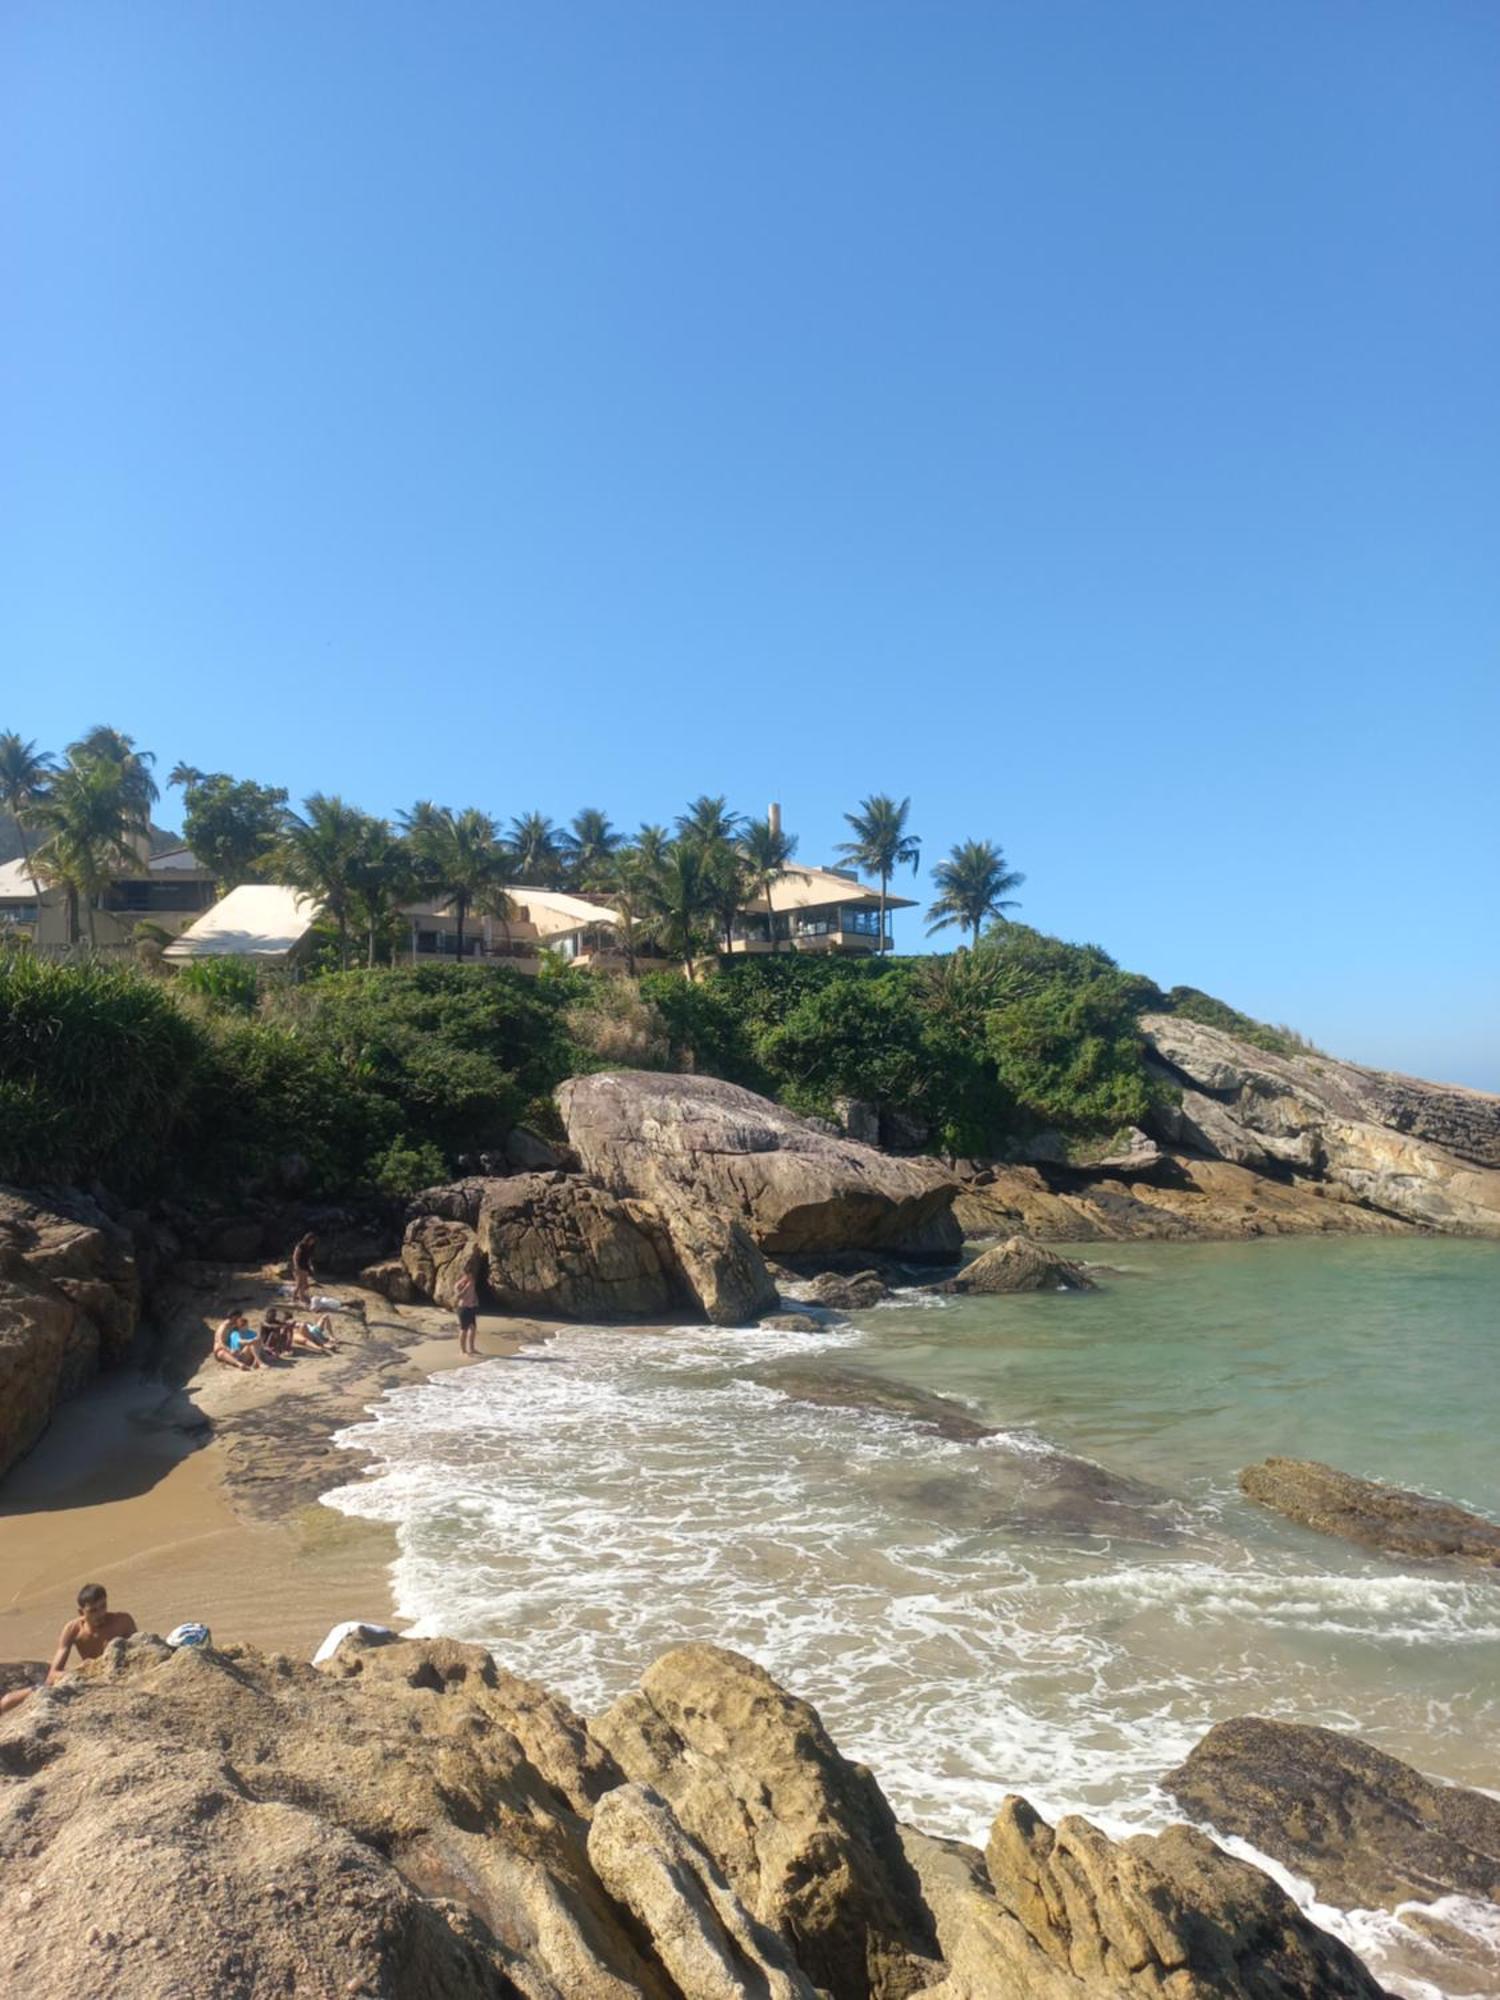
(155, 896)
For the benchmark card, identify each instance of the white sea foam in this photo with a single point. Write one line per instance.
(584, 1506)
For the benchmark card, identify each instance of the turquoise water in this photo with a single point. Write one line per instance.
(1061, 1608)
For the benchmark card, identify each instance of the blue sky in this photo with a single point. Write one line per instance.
(1082, 417)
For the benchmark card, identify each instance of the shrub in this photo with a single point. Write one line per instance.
(96, 1068)
(232, 984)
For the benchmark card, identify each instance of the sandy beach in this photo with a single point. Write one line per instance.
(190, 1490)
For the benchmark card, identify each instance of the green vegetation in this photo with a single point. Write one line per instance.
(376, 1080)
(382, 1079)
(1203, 1008)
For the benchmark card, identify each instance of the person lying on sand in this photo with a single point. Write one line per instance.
(316, 1334)
(88, 1634)
(236, 1346)
(280, 1333)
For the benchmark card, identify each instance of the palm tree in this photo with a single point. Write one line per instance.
(186, 775)
(971, 883)
(89, 821)
(535, 855)
(650, 845)
(380, 878)
(24, 775)
(709, 821)
(624, 885)
(588, 846)
(679, 897)
(881, 843)
(460, 857)
(767, 852)
(113, 746)
(321, 857)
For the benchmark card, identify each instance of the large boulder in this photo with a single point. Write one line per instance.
(69, 1301)
(1019, 1265)
(805, 1839)
(694, 1142)
(1428, 1153)
(435, 1253)
(1387, 1518)
(558, 1247)
(1156, 1914)
(709, 1942)
(1368, 1831)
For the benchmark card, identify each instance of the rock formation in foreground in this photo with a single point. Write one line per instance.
(1019, 1265)
(1427, 1152)
(69, 1299)
(1387, 1518)
(694, 1144)
(411, 1821)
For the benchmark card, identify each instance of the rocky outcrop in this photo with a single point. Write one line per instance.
(1166, 1913)
(1180, 1198)
(1019, 1265)
(709, 1943)
(1368, 1831)
(435, 1253)
(553, 1245)
(1428, 1153)
(805, 1838)
(69, 1302)
(693, 1143)
(410, 1819)
(1387, 1518)
(558, 1246)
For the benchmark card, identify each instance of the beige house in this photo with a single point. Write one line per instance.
(816, 909)
(575, 927)
(169, 890)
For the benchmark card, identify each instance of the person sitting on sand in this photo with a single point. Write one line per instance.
(276, 1331)
(466, 1298)
(236, 1346)
(302, 1269)
(88, 1634)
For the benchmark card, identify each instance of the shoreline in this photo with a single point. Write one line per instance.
(192, 1491)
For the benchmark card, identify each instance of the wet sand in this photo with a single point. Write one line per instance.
(192, 1492)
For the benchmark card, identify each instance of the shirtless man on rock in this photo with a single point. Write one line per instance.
(88, 1634)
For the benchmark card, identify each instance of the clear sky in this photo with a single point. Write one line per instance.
(1081, 415)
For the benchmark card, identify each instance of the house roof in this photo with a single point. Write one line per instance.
(176, 860)
(17, 885)
(553, 912)
(258, 920)
(810, 888)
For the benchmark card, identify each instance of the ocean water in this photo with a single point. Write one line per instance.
(1061, 1606)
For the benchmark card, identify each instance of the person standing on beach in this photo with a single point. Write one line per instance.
(466, 1298)
(302, 1269)
(88, 1634)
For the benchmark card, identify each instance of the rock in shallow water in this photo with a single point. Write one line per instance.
(1366, 1829)
(1387, 1518)
(1019, 1265)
